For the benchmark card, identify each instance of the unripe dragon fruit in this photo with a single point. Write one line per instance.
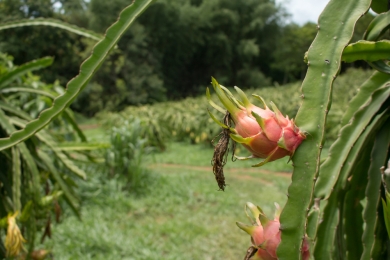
(265, 133)
(265, 234)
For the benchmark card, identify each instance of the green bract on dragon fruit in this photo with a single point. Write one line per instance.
(265, 133)
(265, 234)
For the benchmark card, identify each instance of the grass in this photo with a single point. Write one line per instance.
(95, 133)
(196, 155)
(180, 215)
(201, 155)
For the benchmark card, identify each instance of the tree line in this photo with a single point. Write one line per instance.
(170, 52)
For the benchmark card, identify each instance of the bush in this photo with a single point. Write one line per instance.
(125, 156)
(188, 119)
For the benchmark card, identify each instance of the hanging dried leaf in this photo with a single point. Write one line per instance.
(221, 151)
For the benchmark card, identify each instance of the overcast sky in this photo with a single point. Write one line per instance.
(303, 11)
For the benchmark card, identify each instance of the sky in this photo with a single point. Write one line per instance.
(303, 11)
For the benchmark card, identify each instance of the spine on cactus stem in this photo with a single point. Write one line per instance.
(335, 29)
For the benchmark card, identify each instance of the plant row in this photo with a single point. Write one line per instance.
(189, 120)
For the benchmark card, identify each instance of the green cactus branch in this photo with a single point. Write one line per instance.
(380, 246)
(368, 51)
(7, 123)
(25, 154)
(326, 234)
(16, 179)
(87, 70)
(340, 150)
(69, 116)
(67, 113)
(377, 27)
(312, 222)
(52, 23)
(372, 192)
(352, 220)
(27, 90)
(69, 197)
(376, 81)
(47, 140)
(23, 69)
(336, 25)
(381, 66)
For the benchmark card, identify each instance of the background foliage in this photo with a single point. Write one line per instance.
(169, 53)
(188, 120)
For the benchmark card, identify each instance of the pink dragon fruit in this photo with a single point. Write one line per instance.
(265, 133)
(265, 234)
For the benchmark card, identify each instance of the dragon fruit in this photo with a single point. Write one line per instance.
(265, 234)
(265, 133)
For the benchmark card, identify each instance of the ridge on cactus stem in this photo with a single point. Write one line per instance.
(266, 133)
(265, 234)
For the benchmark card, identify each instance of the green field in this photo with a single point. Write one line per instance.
(180, 215)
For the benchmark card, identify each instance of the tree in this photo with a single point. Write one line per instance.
(288, 57)
(196, 39)
(56, 43)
